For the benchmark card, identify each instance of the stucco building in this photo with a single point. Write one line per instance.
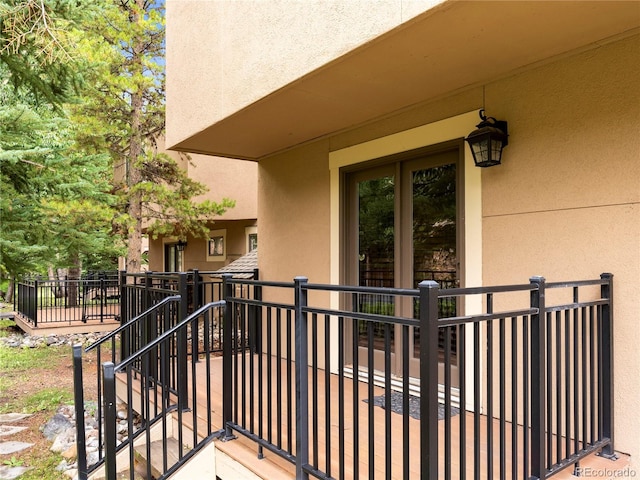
(332, 97)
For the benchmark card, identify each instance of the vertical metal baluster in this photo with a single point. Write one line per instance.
(314, 387)
(269, 378)
(447, 403)
(387, 398)
(370, 405)
(567, 384)
(477, 405)
(502, 390)
(341, 404)
(356, 418)
(559, 358)
(490, 388)
(289, 384)
(462, 382)
(405, 403)
(279, 376)
(514, 397)
(327, 393)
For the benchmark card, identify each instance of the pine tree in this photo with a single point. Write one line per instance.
(124, 114)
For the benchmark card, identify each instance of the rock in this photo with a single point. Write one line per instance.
(71, 473)
(7, 448)
(6, 430)
(56, 425)
(13, 417)
(11, 473)
(71, 452)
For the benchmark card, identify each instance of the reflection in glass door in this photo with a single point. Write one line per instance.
(433, 212)
(376, 244)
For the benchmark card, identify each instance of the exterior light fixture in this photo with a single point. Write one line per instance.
(181, 245)
(488, 140)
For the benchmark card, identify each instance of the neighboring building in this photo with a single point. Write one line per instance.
(332, 99)
(232, 235)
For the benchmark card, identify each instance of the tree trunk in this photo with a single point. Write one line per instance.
(134, 175)
(73, 282)
(9, 297)
(134, 236)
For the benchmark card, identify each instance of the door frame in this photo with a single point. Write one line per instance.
(454, 128)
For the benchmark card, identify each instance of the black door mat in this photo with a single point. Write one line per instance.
(414, 405)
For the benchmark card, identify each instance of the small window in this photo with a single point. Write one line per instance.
(217, 246)
(252, 238)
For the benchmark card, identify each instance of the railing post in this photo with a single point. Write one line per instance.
(109, 407)
(124, 314)
(78, 396)
(197, 303)
(301, 378)
(103, 298)
(538, 379)
(429, 379)
(255, 313)
(227, 360)
(606, 337)
(183, 389)
(35, 300)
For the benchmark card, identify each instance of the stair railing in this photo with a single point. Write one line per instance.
(159, 376)
(132, 336)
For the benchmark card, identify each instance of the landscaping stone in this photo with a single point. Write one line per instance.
(11, 473)
(57, 424)
(22, 340)
(13, 417)
(7, 448)
(6, 430)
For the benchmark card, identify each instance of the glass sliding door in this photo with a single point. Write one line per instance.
(403, 228)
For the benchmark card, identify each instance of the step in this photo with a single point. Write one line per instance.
(157, 455)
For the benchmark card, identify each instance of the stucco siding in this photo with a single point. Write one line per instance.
(237, 65)
(294, 210)
(227, 178)
(566, 202)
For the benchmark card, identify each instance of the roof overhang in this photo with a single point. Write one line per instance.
(456, 45)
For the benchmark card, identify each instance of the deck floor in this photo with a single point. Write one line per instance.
(246, 451)
(65, 321)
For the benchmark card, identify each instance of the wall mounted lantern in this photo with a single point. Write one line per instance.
(181, 245)
(488, 140)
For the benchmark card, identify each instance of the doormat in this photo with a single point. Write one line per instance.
(414, 405)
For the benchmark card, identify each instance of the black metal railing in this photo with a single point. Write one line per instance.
(514, 382)
(155, 384)
(94, 297)
(526, 394)
(141, 290)
(166, 299)
(130, 337)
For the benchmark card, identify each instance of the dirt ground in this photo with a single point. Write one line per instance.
(55, 373)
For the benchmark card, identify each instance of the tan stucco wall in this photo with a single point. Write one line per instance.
(565, 203)
(228, 178)
(295, 206)
(237, 66)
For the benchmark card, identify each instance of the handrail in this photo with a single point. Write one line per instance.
(150, 346)
(155, 383)
(173, 298)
